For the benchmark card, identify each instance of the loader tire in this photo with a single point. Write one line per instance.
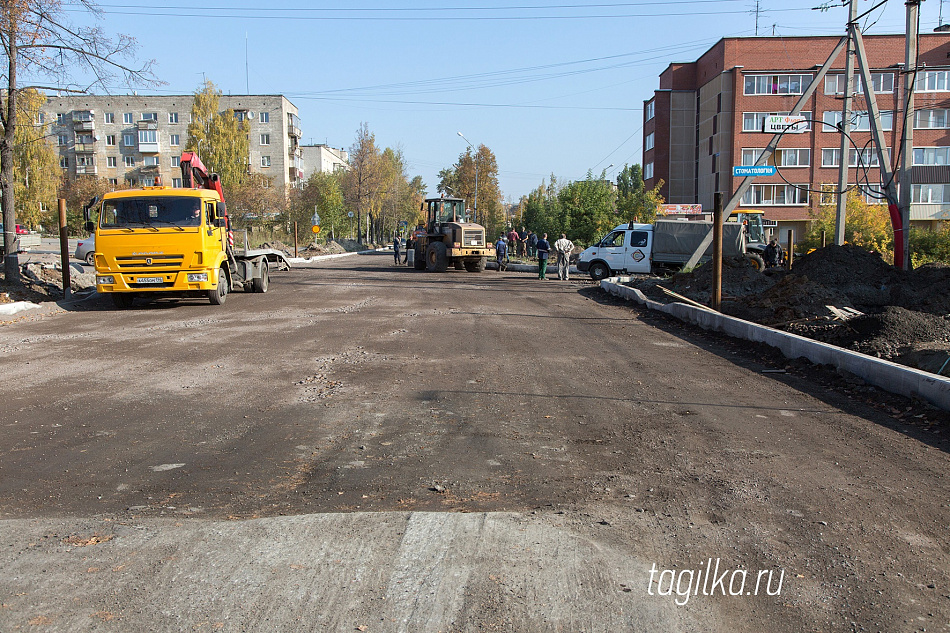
(436, 259)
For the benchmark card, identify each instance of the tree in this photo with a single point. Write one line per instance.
(36, 170)
(866, 225)
(255, 202)
(364, 179)
(78, 192)
(460, 179)
(634, 202)
(219, 139)
(38, 42)
(322, 193)
(587, 208)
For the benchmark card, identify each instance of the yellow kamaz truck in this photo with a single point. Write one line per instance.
(162, 241)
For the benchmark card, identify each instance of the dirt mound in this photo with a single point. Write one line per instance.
(277, 245)
(904, 312)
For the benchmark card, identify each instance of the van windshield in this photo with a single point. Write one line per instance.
(150, 211)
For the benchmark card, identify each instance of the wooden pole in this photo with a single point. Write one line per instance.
(295, 239)
(64, 249)
(716, 300)
(790, 251)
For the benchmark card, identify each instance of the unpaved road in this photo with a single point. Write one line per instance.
(373, 448)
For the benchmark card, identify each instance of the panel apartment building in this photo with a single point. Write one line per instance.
(708, 116)
(137, 139)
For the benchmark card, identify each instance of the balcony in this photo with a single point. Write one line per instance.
(87, 170)
(295, 174)
(85, 148)
(294, 131)
(84, 121)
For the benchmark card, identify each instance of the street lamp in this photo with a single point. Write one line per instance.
(475, 158)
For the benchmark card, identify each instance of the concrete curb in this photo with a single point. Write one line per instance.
(899, 379)
(531, 268)
(322, 258)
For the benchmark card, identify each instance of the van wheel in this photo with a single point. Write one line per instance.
(220, 294)
(260, 283)
(598, 271)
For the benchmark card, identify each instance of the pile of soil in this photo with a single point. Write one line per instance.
(906, 315)
(330, 248)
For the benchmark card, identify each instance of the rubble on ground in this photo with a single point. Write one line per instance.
(905, 316)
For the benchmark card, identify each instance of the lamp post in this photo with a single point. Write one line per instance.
(475, 158)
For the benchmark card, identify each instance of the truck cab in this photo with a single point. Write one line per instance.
(627, 249)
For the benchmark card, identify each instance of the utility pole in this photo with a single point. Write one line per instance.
(907, 137)
(843, 161)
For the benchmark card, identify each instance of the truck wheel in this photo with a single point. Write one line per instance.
(436, 259)
(477, 266)
(219, 294)
(91, 258)
(598, 271)
(419, 261)
(260, 283)
(122, 300)
(757, 262)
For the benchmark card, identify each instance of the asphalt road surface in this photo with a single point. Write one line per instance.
(371, 448)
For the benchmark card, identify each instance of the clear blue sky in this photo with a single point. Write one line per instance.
(550, 86)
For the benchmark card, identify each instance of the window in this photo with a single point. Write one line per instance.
(755, 121)
(265, 117)
(150, 161)
(776, 195)
(110, 140)
(114, 182)
(109, 117)
(831, 157)
(650, 110)
(84, 139)
(111, 161)
(176, 161)
(648, 171)
(614, 239)
(860, 120)
(932, 155)
(265, 161)
(148, 181)
(60, 118)
(930, 194)
(62, 139)
(64, 162)
(85, 160)
(148, 136)
(176, 183)
(933, 81)
(174, 140)
(129, 161)
(924, 119)
(880, 82)
(776, 84)
(40, 118)
(785, 157)
(131, 181)
(648, 142)
(128, 140)
(240, 115)
(150, 116)
(127, 118)
(874, 194)
(173, 117)
(265, 139)
(828, 195)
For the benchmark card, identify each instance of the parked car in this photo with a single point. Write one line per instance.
(86, 250)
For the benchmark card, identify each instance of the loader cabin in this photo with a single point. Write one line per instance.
(444, 210)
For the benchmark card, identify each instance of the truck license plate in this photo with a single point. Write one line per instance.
(149, 280)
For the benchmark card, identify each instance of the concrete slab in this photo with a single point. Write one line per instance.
(388, 571)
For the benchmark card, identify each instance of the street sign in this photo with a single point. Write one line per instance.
(315, 229)
(784, 123)
(350, 214)
(746, 171)
(680, 208)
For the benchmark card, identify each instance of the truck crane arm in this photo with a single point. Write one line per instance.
(194, 175)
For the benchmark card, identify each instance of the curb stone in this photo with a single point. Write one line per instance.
(892, 377)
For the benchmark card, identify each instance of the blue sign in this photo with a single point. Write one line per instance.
(753, 171)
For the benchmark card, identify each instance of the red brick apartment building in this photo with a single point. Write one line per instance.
(707, 116)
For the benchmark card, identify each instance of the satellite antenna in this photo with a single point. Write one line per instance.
(250, 115)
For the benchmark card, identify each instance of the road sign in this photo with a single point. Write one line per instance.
(315, 228)
(350, 214)
(784, 123)
(753, 171)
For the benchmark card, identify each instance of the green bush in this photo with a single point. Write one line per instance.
(928, 246)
